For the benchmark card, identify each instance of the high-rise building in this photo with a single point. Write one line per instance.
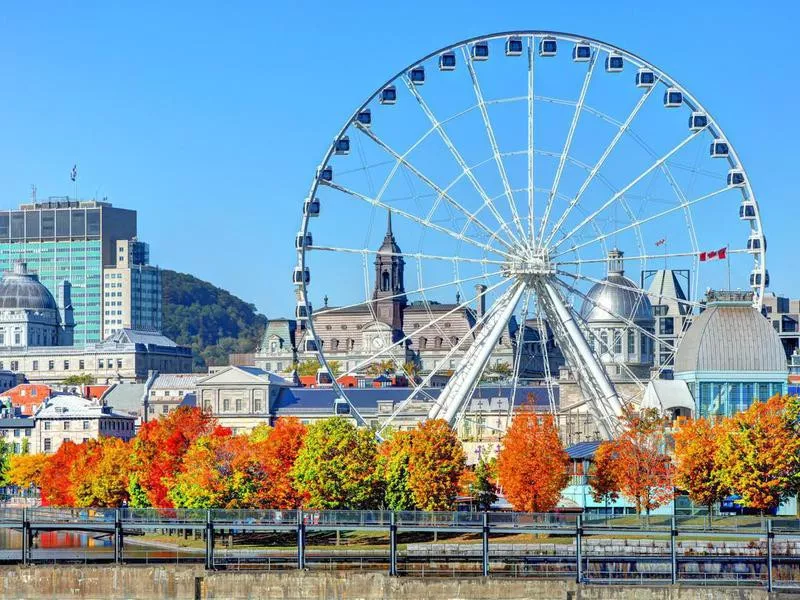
(131, 290)
(63, 239)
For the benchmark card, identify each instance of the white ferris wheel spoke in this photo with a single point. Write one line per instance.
(543, 338)
(427, 379)
(460, 160)
(531, 215)
(644, 257)
(567, 144)
(643, 221)
(616, 196)
(599, 164)
(493, 142)
(411, 217)
(442, 193)
(416, 255)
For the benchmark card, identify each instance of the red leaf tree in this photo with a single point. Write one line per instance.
(697, 469)
(532, 465)
(435, 464)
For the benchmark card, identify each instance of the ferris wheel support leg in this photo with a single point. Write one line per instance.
(460, 386)
(602, 393)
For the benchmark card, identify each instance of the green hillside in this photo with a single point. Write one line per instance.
(210, 320)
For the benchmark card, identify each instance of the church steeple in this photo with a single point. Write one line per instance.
(389, 292)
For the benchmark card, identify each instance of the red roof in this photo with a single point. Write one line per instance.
(28, 396)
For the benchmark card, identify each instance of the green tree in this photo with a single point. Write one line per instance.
(395, 454)
(82, 379)
(435, 465)
(308, 367)
(336, 468)
(483, 488)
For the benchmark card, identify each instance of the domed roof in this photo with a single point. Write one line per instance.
(730, 336)
(22, 290)
(616, 296)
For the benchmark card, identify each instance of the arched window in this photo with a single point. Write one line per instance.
(454, 341)
(334, 344)
(438, 342)
(351, 344)
(423, 343)
(386, 281)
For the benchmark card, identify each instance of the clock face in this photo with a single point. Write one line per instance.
(377, 343)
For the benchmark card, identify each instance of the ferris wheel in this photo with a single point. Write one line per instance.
(516, 170)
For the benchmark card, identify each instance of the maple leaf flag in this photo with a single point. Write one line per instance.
(661, 242)
(720, 254)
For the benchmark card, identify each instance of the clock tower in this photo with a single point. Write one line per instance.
(389, 294)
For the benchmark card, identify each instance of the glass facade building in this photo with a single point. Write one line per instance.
(726, 398)
(63, 239)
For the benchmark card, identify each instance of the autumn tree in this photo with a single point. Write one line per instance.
(277, 453)
(697, 470)
(206, 478)
(532, 464)
(158, 450)
(25, 470)
(642, 467)
(602, 474)
(308, 367)
(758, 453)
(436, 460)
(56, 480)
(100, 473)
(483, 489)
(336, 467)
(394, 455)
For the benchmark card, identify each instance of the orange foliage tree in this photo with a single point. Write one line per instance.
(435, 463)
(759, 453)
(697, 470)
(57, 484)
(277, 454)
(602, 475)
(158, 452)
(532, 465)
(640, 464)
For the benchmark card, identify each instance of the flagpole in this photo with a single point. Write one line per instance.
(728, 260)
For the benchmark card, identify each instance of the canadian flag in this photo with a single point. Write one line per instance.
(720, 254)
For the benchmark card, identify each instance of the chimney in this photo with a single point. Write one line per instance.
(480, 290)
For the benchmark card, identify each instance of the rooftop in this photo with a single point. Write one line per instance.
(67, 406)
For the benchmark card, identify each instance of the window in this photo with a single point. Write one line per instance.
(16, 433)
(100, 363)
(164, 409)
(257, 405)
(66, 425)
(66, 439)
(36, 365)
(47, 425)
(15, 365)
(80, 365)
(617, 341)
(603, 341)
(238, 405)
(85, 425)
(47, 445)
(51, 365)
(631, 343)
(66, 365)
(660, 310)
(16, 338)
(667, 326)
(166, 393)
(119, 363)
(226, 405)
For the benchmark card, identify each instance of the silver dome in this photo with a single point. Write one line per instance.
(620, 297)
(730, 337)
(22, 290)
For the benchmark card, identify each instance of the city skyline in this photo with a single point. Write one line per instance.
(172, 147)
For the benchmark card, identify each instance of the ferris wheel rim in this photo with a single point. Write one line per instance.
(755, 225)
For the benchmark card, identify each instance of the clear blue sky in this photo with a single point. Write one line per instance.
(210, 121)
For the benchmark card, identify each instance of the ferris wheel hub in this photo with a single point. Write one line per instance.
(530, 264)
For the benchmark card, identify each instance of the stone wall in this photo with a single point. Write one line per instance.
(170, 581)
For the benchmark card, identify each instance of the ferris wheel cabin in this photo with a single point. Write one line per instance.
(719, 149)
(364, 117)
(325, 173)
(301, 311)
(548, 47)
(388, 95)
(614, 63)
(747, 210)
(513, 46)
(736, 178)
(755, 278)
(311, 207)
(447, 61)
(673, 98)
(301, 276)
(342, 146)
(581, 52)
(417, 75)
(645, 78)
(303, 241)
(480, 51)
(756, 242)
(698, 121)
